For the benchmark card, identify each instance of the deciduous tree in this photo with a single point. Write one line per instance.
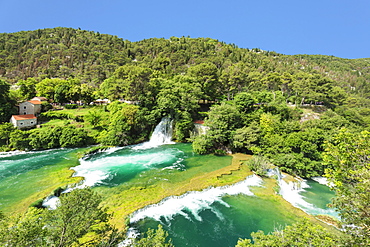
(348, 158)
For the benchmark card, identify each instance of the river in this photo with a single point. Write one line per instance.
(211, 217)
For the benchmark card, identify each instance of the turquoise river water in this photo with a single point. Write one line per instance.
(212, 217)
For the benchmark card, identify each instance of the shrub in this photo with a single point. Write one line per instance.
(37, 204)
(220, 152)
(70, 106)
(259, 164)
(56, 115)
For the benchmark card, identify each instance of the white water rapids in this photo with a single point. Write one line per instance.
(291, 192)
(161, 135)
(194, 202)
(96, 171)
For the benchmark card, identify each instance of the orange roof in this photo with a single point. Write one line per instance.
(35, 102)
(24, 117)
(199, 121)
(39, 98)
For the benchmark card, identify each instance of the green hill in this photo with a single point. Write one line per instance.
(93, 57)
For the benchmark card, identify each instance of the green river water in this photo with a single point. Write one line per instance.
(213, 217)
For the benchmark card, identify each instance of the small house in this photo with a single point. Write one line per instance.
(30, 107)
(24, 121)
(27, 113)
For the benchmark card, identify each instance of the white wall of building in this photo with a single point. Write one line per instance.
(26, 123)
(29, 108)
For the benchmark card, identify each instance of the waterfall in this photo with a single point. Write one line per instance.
(163, 132)
(290, 189)
(275, 172)
(193, 202)
(51, 202)
(161, 135)
(199, 129)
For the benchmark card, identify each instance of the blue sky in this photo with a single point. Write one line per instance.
(329, 27)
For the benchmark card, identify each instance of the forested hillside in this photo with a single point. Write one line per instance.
(93, 57)
(301, 113)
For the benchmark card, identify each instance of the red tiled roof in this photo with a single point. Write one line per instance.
(24, 117)
(35, 102)
(199, 121)
(39, 98)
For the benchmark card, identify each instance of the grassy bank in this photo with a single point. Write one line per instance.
(26, 188)
(202, 173)
(126, 199)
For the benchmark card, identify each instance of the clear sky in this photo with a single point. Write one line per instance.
(329, 27)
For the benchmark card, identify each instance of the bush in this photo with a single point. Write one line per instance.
(202, 145)
(220, 152)
(259, 164)
(70, 106)
(46, 106)
(37, 204)
(56, 115)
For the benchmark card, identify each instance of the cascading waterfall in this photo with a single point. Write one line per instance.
(199, 129)
(163, 132)
(193, 202)
(161, 135)
(212, 217)
(119, 164)
(291, 190)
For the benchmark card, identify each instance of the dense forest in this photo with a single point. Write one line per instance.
(292, 111)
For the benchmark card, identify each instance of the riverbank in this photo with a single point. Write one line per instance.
(203, 172)
(147, 187)
(125, 199)
(31, 176)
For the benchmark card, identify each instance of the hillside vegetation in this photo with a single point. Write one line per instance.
(93, 57)
(301, 113)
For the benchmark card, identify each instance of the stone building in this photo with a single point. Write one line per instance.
(28, 112)
(24, 121)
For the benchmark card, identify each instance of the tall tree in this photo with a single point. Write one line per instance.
(222, 121)
(7, 105)
(47, 87)
(348, 159)
(79, 220)
(300, 234)
(27, 88)
(207, 76)
(233, 79)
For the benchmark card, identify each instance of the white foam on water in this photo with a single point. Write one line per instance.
(161, 135)
(192, 203)
(131, 235)
(291, 193)
(322, 180)
(112, 150)
(11, 153)
(95, 171)
(51, 202)
(91, 178)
